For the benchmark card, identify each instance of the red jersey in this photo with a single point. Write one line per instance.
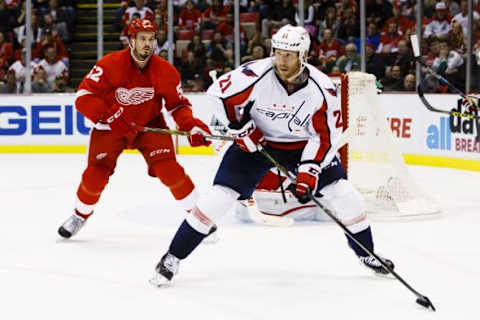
(389, 41)
(218, 15)
(40, 48)
(116, 79)
(227, 31)
(403, 23)
(330, 51)
(6, 53)
(189, 18)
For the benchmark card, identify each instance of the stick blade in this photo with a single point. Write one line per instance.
(415, 46)
(425, 302)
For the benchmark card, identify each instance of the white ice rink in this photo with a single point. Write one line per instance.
(254, 272)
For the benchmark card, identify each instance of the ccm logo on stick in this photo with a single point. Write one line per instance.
(41, 120)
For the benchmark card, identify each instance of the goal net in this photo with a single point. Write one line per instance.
(372, 159)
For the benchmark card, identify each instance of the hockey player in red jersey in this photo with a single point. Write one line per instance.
(292, 110)
(124, 91)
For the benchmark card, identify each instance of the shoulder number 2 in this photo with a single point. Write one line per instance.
(95, 73)
(338, 115)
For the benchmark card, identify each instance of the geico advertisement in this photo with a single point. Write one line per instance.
(41, 119)
(53, 120)
(431, 133)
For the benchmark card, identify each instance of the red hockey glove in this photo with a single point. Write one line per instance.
(469, 104)
(247, 135)
(198, 130)
(118, 122)
(307, 179)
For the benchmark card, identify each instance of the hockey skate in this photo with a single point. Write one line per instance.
(165, 270)
(70, 227)
(373, 264)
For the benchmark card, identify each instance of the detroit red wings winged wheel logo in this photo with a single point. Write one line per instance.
(133, 96)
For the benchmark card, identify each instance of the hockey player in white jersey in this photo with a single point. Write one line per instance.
(291, 109)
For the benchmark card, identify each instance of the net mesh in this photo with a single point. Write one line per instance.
(375, 164)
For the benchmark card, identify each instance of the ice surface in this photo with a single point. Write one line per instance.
(254, 272)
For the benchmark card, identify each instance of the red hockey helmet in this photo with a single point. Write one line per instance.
(139, 25)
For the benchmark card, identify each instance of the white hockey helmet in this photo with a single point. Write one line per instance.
(292, 38)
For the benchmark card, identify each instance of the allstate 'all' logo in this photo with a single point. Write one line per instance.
(454, 130)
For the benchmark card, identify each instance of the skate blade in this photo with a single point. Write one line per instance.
(383, 275)
(159, 281)
(211, 239)
(378, 274)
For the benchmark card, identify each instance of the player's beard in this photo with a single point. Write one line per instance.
(145, 53)
(287, 75)
(141, 58)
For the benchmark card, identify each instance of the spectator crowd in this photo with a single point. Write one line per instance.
(204, 37)
(52, 26)
(204, 41)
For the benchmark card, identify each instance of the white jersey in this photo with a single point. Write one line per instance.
(310, 116)
(53, 70)
(20, 70)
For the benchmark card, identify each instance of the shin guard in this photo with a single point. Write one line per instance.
(94, 180)
(172, 174)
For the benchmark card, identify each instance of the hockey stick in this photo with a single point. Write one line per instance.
(451, 113)
(473, 101)
(416, 53)
(183, 133)
(422, 300)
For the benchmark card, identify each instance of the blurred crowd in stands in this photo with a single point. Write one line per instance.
(52, 25)
(204, 38)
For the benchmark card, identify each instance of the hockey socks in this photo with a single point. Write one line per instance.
(84, 216)
(185, 241)
(365, 238)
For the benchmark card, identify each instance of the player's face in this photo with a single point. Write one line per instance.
(144, 44)
(287, 63)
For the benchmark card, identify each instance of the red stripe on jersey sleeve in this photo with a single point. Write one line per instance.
(320, 124)
(234, 101)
